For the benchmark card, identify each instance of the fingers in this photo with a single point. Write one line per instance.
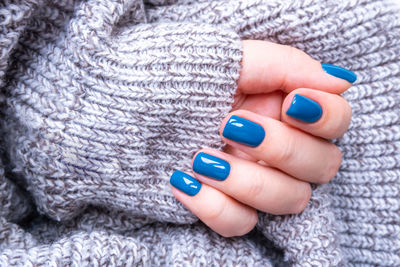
(267, 67)
(220, 212)
(281, 146)
(268, 105)
(263, 188)
(318, 113)
(218, 199)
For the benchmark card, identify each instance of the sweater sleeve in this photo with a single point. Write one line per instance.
(15, 205)
(102, 106)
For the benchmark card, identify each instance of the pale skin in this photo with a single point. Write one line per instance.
(275, 176)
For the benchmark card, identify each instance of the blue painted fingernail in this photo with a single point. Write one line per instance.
(304, 109)
(244, 131)
(184, 182)
(211, 166)
(340, 72)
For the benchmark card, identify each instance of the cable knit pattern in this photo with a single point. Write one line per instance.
(102, 99)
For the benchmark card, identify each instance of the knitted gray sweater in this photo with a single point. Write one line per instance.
(102, 99)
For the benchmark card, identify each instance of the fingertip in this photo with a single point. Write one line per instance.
(319, 113)
(304, 109)
(241, 127)
(212, 165)
(339, 72)
(185, 183)
(219, 211)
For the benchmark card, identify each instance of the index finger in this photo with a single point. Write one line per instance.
(268, 67)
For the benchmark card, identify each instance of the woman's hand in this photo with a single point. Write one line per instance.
(286, 110)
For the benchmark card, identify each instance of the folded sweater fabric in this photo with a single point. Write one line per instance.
(102, 99)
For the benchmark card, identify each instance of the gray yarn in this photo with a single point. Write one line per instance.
(102, 99)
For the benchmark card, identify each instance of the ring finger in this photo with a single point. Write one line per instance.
(263, 188)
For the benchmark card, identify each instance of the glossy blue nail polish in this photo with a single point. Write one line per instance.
(244, 131)
(184, 182)
(211, 166)
(340, 72)
(304, 109)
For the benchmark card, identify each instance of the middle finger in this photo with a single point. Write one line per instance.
(299, 154)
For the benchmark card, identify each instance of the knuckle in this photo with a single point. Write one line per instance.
(256, 187)
(293, 53)
(251, 222)
(336, 125)
(303, 198)
(333, 164)
(216, 212)
(283, 151)
(346, 116)
(342, 121)
(289, 52)
(332, 128)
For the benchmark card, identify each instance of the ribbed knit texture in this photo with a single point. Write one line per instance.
(102, 99)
